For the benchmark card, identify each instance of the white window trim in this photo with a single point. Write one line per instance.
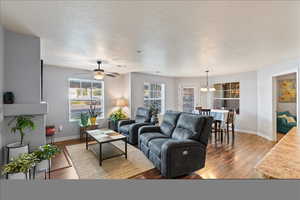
(163, 96)
(69, 100)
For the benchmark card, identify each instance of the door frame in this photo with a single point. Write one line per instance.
(275, 99)
(180, 100)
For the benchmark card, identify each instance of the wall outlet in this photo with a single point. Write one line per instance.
(60, 128)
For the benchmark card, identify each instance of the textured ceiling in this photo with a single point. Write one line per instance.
(176, 38)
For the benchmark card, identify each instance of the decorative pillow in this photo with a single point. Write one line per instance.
(290, 120)
(282, 116)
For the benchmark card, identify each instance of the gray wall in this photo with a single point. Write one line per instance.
(56, 94)
(246, 121)
(1, 90)
(22, 74)
(22, 67)
(137, 90)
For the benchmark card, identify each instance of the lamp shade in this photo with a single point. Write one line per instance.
(121, 102)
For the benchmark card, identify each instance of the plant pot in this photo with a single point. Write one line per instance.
(93, 120)
(44, 165)
(14, 150)
(154, 120)
(17, 176)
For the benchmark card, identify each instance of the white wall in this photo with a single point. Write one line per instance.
(56, 94)
(266, 100)
(137, 81)
(1, 90)
(246, 121)
(291, 107)
(22, 67)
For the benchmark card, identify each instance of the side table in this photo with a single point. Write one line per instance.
(83, 130)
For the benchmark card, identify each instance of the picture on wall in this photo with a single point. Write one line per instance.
(287, 91)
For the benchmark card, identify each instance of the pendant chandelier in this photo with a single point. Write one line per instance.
(207, 88)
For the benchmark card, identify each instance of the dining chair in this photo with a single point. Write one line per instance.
(230, 124)
(205, 112)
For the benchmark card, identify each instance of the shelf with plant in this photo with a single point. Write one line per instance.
(19, 167)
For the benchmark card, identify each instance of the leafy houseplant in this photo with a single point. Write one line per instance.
(21, 164)
(154, 112)
(117, 115)
(46, 152)
(23, 123)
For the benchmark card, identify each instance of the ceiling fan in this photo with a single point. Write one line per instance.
(99, 73)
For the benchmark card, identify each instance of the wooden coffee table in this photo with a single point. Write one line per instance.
(102, 136)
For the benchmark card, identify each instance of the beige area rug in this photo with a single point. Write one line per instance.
(87, 165)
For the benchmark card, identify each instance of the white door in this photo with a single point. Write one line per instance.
(188, 99)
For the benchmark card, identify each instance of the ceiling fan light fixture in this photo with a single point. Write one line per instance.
(98, 75)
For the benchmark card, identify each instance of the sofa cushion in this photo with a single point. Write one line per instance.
(169, 122)
(156, 144)
(189, 126)
(125, 129)
(146, 137)
(142, 115)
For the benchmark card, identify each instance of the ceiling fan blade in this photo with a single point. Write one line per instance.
(112, 74)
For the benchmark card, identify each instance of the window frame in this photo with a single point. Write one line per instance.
(102, 97)
(163, 95)
(229, 98)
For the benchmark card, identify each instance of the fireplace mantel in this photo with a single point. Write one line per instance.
(10, 110)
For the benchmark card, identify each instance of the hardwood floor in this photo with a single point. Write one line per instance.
(223, 161)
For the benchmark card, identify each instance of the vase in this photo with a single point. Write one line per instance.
(16, 149)
(93, 120)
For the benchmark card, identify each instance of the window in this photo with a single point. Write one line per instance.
(227, 96)
(188, 99)
(154, 94)
(81, 94)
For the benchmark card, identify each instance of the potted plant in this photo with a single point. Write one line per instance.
(19, 167)
(44, 155)
(22, 124)
(154, 113)
(116, 116)
(93, 113)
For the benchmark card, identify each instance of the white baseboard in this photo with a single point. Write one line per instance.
(72, 137)
(265, 136)
(255, 133)
(246, 131)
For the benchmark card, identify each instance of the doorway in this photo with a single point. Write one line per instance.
(285, 103)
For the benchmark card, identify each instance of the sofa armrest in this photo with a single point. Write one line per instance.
(134, 131)
(149, 128)
(125, 122)
(181, 156)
